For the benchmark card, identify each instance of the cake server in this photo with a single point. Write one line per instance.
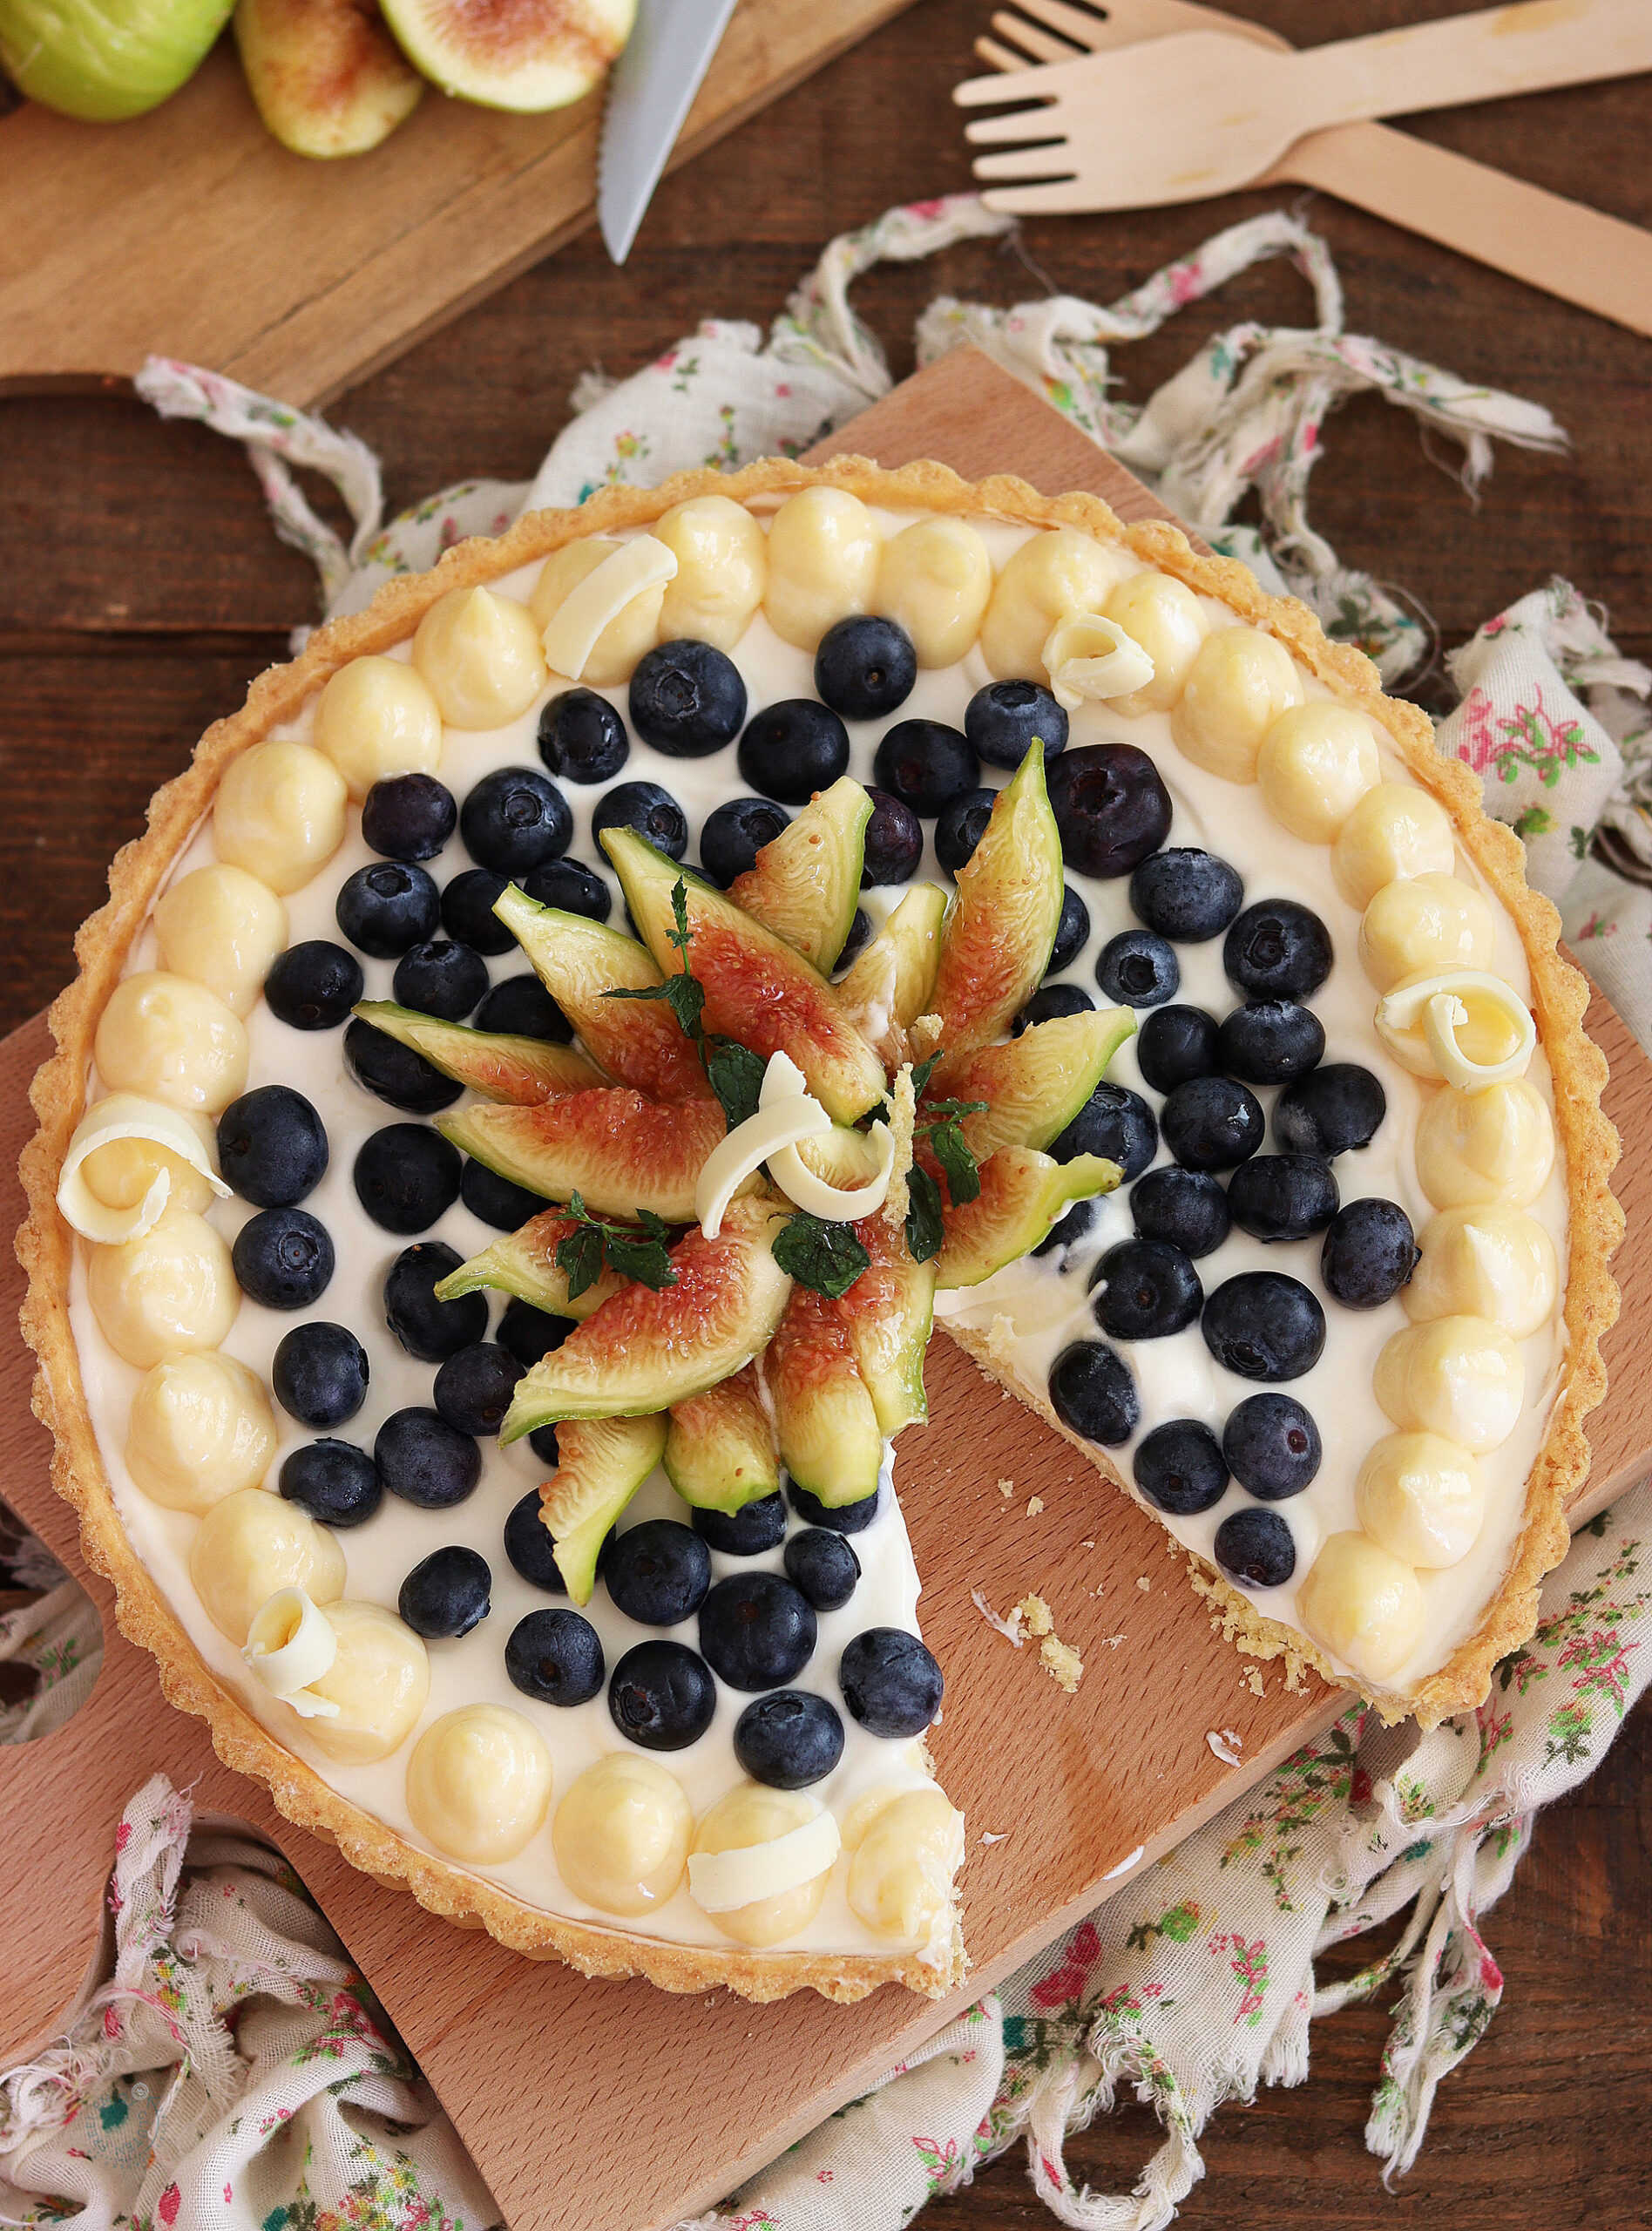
(651, 89)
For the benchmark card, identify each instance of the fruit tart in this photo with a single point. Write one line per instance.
(558, 1048)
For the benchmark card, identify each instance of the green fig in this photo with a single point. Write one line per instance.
(103, 60)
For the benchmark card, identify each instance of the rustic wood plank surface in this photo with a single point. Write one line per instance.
(140, 589)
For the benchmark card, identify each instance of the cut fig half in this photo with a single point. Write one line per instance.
(497, 1064)
(1023, 1193)
(719, 1451)
(527, 54)
(600, 1464)
(1033, 1085)
(825, 1420)
(326, 76)
(620, 1152)
(999, 936)
(524, 1265)
(805, 883)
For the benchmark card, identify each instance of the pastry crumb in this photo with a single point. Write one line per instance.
(1061, 1662)
(903, 1115)
(1034, 1505)
(1006, 1488)
(1254, 1682)
(1089, 1545)
(926, 1033)
(1036, 1614)
(1144, 1585)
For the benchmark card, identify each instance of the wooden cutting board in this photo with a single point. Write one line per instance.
(190, 233)
(612, 2106)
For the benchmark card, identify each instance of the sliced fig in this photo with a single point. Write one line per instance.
(600, 1464)
(888, 1313)
(805, 883)
(891, 983)
(499, 1065)
(719, 1451)
(639, 1042)
(1023, 1193)
(622, 1152)
(646, 1350)
(825, 1420)
(842, 1158)
(1033, 1085)
(525, 1265)
(326, 76)
(505, 54)
(759, 989)
(999, 933)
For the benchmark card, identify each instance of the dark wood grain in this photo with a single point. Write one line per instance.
(140, 589)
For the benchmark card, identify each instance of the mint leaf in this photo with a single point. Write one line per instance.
(736, 1077)
(826, 1257)
(685, 995)
(952, 1150)
(635, 1252)
(924, 1231)
(924, 1072)
(682, 936)
(580, 1256)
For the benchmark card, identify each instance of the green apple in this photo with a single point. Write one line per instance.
(105, 59)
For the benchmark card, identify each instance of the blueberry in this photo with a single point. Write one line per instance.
(318, 1374)
(1369, 1253)
(582, 738)
(1145, 1290)
(272, 1146)
(1283, 1196)
(894, 843)
(843, 1518)
(387, 907)
(757, 1630)
(1270, 1042)
(1255, 1548)
(334, 1481)
(1072, 933)
(283, 1258)
(732, 837)
(314, 985)
(824, 1565)
(1186, 895)
(520, 1006)
(555, 1657)
(427, 1328)
(652, 813)
(890, 1682)
(746, 1532)
(662, 1696)
(1175, 1044)
(447, 1593)
(659, 1572)
(507, 1207)
(1179, 1467)
(960, 826)
(1068, 1230)
(1114, 1122)
(686, 699)
(1185, 1208)
(409, 817)
(395, 1074)
(1110, 807)
(468, 915)
(406, 1176)
(568, 886)
(529, 1333)
(473, 1388)
(1277, 950)
(792, 749)
(1004, 720)
(422, 1459)
(865, 667)
(1093, 1393)
(1262, 1325)
(1333, 1109)
(1138, 969)
(789, 1740)
(1272, 1446)
(1048, 1002)
(529, 1548)
(440, 978)
(513, 819)
(860, 936)
(543, 1442)
(1212, 1124)
(925, 764)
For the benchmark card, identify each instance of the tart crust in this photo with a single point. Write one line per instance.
(44, 1243)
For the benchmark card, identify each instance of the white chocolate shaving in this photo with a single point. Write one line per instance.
(128, 1115)
(1088, 656)
(291, 1646)
(1437, 1003)
(783, 1087)
(721, 1881)
(570, 633)
(776, 1126)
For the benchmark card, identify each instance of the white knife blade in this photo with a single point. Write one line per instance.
(651, 89)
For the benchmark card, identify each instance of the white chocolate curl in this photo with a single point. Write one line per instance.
(1088, 656)
(1437, 1004)
(782, 1087)
(571, 633)
(779, 1124)
(721, 1881)
(128, 1115)
(290, 1645)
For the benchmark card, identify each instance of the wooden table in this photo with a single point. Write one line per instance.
(140, 588)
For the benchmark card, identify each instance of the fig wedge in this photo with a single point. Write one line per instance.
(825, 1420)
(719, 1451)
(1033, 1085)
(891, 983)
(325, 75)
(638, 1041)
(622, 1152)
(1023, 1193)
(502, 54)
(805, 883)
(997, 942)
(525, 1265)
(645, 1350)
(600, 1464)
(888, 1314)
(523, 1071)
(758, 988)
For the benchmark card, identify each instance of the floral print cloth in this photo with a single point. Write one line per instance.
(235, 2074)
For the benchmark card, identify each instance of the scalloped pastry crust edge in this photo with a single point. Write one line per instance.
(136, 875)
